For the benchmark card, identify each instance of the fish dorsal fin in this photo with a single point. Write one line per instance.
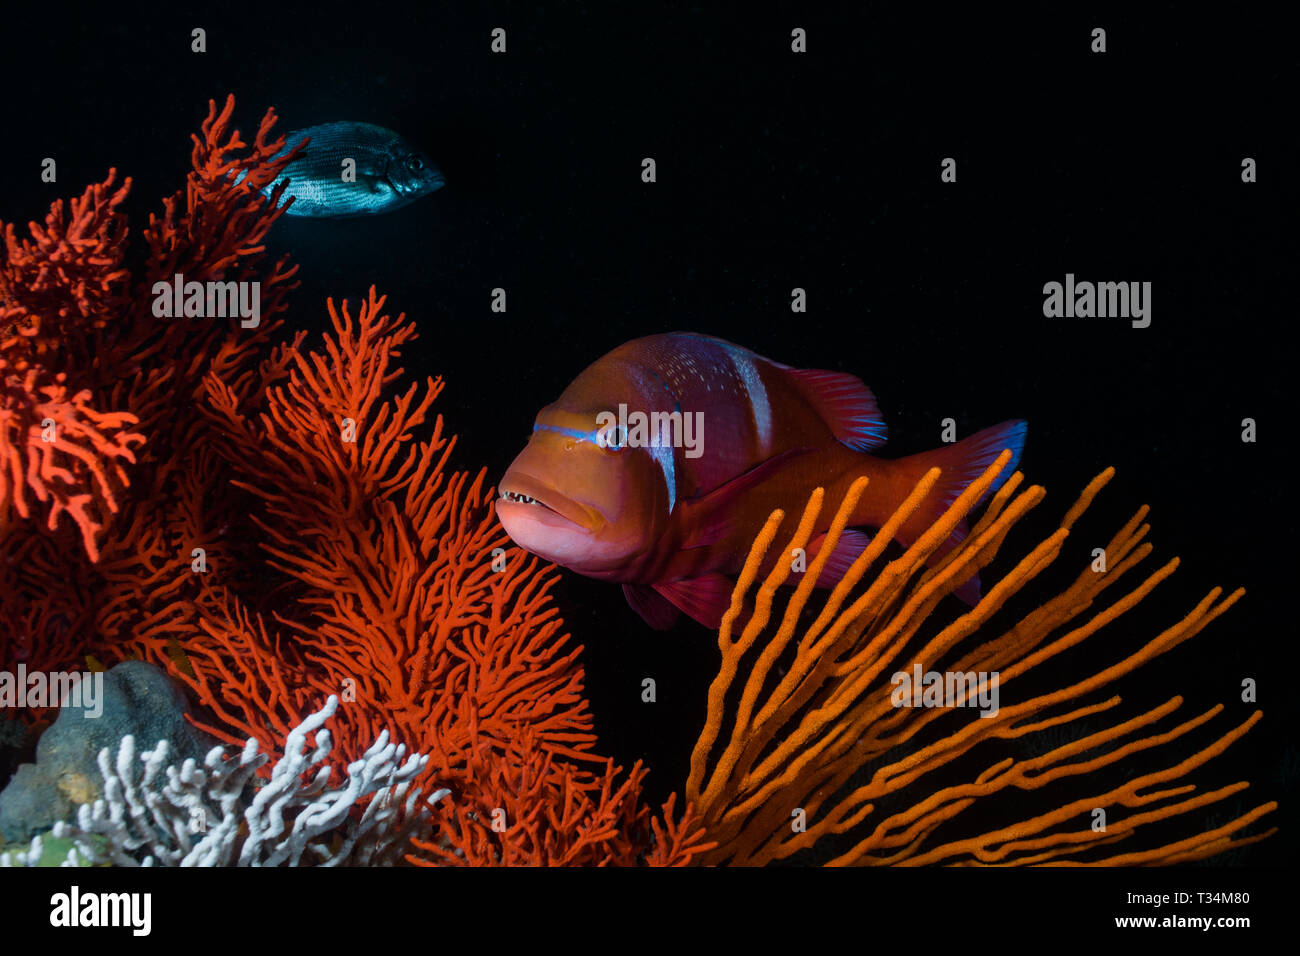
(845, 403)
(704, 598)
(655, 609)
(709, 517)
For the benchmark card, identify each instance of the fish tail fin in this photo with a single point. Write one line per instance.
(960, 463)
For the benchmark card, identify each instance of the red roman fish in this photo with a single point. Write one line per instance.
(661, 461)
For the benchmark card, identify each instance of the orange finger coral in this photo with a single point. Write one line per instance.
(819, 738)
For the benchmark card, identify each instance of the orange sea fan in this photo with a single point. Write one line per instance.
(791, 771)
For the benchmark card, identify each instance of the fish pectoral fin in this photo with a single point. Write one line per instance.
(704, 598)
(655, 609)
(711, 516)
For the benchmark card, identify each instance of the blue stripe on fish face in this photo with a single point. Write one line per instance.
(757, 392)
(590, 436)
(661, 451)
(594, 436)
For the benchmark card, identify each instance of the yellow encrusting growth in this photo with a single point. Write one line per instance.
(797, 737)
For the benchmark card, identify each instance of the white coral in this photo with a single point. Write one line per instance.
(134, 817)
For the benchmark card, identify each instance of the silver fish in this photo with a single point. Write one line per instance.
(390, 172)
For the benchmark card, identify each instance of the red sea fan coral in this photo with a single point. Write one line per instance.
(289, 528)
(98, 393)
(56, 447)
(400, 603)
(67, 279)
(407, 602)
(522, 807)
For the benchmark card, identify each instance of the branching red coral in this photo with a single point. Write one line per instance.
(56, 447)
(66, 279)
(412, 605)
(88, 372)
(520, 807)
(290, 529)
(406, 609)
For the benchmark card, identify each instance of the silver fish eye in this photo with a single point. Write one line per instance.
(415, 164)
(614, 438)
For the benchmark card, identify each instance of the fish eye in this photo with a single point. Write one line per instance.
(615, 439)
(415, 164)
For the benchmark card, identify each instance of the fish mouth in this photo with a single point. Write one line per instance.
(545, 504)
(412, 191)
